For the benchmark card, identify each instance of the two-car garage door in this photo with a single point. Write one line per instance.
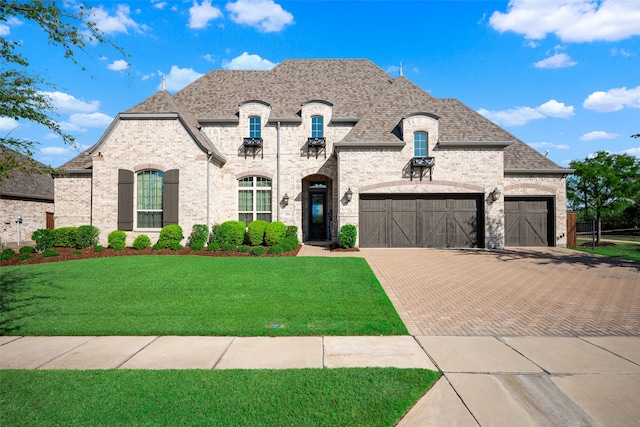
(441, 221)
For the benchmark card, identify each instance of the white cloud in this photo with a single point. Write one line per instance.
(248, 62)
(65, 103)
(92, 120)
(147, 76)
(118, 23)
(51, 135)
(635, 151)
(613, 99)
(201, 14)
(5, 30)
(7, 124)
(559, 60)
(598, 134)
(556, 109)
(209, 58)
(160, 5)
(55, 151)
(118, 65)
(622, 52)
(179, 78)
(570, 20)
(520, 116)
(265, 15)
(549, 145)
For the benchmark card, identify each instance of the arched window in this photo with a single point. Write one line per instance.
(254, 199)
(317, 127)
(255, 130)
(420, 144)
(150, 197)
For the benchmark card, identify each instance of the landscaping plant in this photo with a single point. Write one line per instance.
(170, 237)
(348, 235)
(274, 233)
(141, 242)
(65, 237)
(255, 232)
(117, 240)
(199, 236)
(86, 236)
(44, 239)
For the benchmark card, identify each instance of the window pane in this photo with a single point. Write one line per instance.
(263, 200)
(245, 200)
(150, 186)
(254, 127)
(246, 182)
(150, 219)
(264, 216)
(246, 218)
(263, 182)
(317, 128)
(420, 144)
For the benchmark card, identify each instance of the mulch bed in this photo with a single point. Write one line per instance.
(66, 254)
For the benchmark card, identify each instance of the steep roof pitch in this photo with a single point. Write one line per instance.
(352, 86)
(24, 185)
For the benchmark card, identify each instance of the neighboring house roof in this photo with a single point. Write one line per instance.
(23, 185)
(357, 89)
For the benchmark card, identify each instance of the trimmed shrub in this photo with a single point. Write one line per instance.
(244, 248)
(292, 230)
(232, 232)
(65, 237)
(44, 238)
(25, 257)
(170, 235)
(213, 246)
(77, 252)
(228, 247)
(347, 236)
(258, 251)
(199, 236)
(255, 232)
(216, 235)
(86, 236)
(117, 240)
(7, 254)
(176, 246)
(26, 250)
(277, 249)
(274, 233)
(141, 242)
(48, 253)
(98, 248)
(292, 240)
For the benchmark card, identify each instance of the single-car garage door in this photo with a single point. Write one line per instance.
(529, 221)
(426, 221)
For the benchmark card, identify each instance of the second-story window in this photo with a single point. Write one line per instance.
(420, 144)
(317, 128)
(254, 127)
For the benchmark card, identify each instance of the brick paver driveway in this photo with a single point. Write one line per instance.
(541, 291)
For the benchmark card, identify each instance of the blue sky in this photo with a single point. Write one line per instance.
(561, 75)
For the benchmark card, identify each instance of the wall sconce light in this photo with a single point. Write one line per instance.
(349, 195)
(285, 199)
(495, 194)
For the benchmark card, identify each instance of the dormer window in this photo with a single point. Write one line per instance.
(254, 141)
(255, 130)
(317, 141)
(317, 127)
(420, 144)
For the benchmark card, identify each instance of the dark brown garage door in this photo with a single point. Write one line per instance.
(443, 221)
(529, 221)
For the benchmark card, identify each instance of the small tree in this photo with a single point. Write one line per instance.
(604, 184)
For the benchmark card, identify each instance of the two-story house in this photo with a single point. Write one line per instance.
(317, 144)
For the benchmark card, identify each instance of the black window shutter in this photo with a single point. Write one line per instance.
(125, 200)
(170, 197)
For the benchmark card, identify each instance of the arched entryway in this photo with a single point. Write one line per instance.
(317, 208)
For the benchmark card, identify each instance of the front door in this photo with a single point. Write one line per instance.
(318, 215)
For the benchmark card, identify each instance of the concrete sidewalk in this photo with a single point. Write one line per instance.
(488, 381)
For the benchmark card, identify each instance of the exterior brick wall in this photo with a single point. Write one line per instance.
(34, 217)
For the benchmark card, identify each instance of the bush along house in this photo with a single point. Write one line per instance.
(316, 144)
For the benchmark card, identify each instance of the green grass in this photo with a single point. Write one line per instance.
(629, 252)
(297, 397)
(192, 295)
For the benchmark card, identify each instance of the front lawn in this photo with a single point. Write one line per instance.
(296, 397)
(629, 251)
(192, 295)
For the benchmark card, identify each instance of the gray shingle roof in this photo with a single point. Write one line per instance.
(357, 88)
(24, 185)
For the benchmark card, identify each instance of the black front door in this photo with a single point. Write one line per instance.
(318, 215)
